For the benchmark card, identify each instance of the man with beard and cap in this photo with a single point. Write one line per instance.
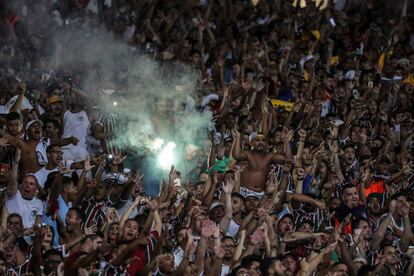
(286, 223)
(254, 177)
(217, 212)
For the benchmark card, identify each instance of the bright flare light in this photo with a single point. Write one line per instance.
(166, 156)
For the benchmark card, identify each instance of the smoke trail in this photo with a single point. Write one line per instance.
(150, 99)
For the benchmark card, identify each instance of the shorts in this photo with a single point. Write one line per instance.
(246, 193)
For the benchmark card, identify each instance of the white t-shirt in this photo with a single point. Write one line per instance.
(41, 151)
(27, 209)
(41, 175)
(76, 125)
(225, 270)
(178, 256)
(233, 228)
(25, 103)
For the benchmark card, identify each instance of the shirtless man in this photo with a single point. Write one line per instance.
(254, 177)
(29, 160)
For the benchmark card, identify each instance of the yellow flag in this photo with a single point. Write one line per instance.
(279, 103)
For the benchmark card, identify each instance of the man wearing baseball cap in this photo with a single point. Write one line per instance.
(55, 109)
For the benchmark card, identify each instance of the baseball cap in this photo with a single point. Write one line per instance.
(285, 212)
(117, 178)
(375, 195)
(216, 204)
(29, 124)
(54, 99)
(236, 194)
(251, 195)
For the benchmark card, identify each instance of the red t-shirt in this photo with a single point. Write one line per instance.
(143, 254)
(70, 261)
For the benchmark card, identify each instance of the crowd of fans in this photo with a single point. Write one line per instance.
(309, 169)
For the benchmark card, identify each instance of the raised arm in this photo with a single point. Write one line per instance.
(153, 218)
(225, 222)
(125, 216)
(238, 153)
(16, 106)
(379, 235)
(11, 189)
(81, 183)
(302, 137)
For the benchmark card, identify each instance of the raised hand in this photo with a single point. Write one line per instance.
(235, 133)
(258, 236)
(273, 184)
(119, 158)
(333, 147)
(137, 200)
(228, 186)
(240, 167)
(90, 230)
(330, 248)
(63, 169)
(287, 134)
(173, 173)
(87, 164)
(208, 228)
(153, 205)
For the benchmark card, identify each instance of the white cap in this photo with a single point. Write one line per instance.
(215, 204)
(29, 124)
